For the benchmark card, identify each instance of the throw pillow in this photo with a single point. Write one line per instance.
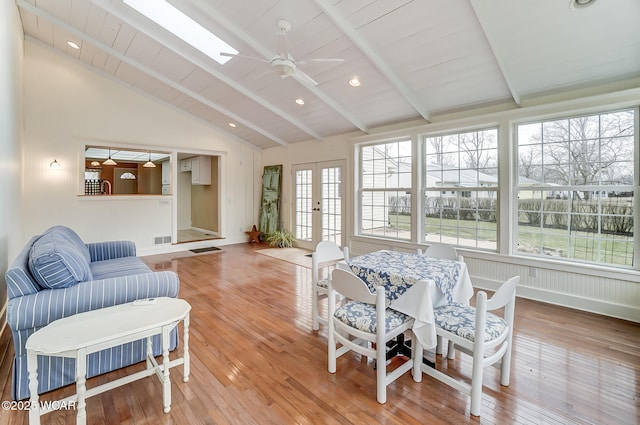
(55, 262)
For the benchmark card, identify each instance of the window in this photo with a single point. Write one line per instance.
(385, 183)
(461, 188)
(575, 188)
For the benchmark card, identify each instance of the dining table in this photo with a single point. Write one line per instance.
(414, 284)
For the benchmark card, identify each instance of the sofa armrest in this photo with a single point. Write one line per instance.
(37, 310)
(101, 251)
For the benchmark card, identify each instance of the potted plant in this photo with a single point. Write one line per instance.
(281, 239)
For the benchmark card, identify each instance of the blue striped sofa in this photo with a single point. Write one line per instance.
(57, 275)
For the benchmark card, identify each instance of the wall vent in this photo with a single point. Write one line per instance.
(158, 240)
(167, 239)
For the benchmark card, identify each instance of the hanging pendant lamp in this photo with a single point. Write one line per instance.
(109, 161)
(149, 164)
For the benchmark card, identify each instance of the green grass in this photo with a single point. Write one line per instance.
(581, 246)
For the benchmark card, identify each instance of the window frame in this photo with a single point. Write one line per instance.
(505, 121)
(459, 191)
(361, 189)
(517, 187)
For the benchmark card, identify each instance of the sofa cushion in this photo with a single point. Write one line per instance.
(55, 262)
(73, 238)
(117, 267)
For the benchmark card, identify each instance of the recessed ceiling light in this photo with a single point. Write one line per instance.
(232, 124)
(354, 82)
(182, 26)
(73, 45)
(300, 101)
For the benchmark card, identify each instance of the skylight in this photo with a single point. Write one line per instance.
(182, 26)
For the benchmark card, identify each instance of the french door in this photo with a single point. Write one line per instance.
(319, 207)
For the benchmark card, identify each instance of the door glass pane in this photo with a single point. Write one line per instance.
(331, 181)
(304, 205)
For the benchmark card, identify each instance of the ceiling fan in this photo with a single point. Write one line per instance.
(283, 63)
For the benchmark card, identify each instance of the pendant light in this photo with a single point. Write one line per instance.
(149, 164)
(109, 161)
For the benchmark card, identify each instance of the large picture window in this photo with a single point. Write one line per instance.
(385, 181)
(461, 189)
(575, 188)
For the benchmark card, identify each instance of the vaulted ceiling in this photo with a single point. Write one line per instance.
(415, 59)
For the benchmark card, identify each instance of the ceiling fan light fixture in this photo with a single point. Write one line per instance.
(580, 4)
(283, 68)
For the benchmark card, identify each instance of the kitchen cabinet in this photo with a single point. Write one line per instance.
(201, 170)
(166, 172)
(185, 164)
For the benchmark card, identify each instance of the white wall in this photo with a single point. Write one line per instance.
(67, 106)
(11, 45)
(598, 289)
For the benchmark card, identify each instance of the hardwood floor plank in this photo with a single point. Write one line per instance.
(255, 360)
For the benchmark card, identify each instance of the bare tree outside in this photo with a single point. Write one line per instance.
(575, 187)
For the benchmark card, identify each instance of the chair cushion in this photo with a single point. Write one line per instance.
(55, 262)
(362, 316)
(460, 319)
(323, 283)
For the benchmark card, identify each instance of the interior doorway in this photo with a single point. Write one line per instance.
(197, 191)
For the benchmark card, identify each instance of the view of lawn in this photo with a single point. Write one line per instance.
(578, 245)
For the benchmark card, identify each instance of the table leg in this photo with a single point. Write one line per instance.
(166, 382)
(32, 368)
(185, 354)
(402, 347)
(81, 387)
(149, 352)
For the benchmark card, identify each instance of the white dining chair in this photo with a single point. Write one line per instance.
(485, 336)
(441, 250)
(325, 256)
(446, 252)
(361, 320)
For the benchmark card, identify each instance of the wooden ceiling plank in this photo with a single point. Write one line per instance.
(151, 73)
(266, 53)
(180, 50)
(371, 54)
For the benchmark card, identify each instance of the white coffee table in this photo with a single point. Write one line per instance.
(85, 333)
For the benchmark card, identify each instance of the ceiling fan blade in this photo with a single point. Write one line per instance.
(304, 76)
(240, 55)
(306, 61)
(323, 60)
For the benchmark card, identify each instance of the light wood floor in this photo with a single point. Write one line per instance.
(255, 360)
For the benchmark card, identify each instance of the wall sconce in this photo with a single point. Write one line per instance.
(54, 164)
